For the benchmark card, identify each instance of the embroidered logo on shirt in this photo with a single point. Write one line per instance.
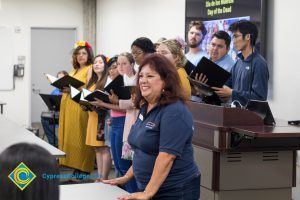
(247, 67)
(150, 125)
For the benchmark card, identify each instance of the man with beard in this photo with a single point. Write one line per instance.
(196, 34)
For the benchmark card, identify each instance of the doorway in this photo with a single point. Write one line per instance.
(51, 51)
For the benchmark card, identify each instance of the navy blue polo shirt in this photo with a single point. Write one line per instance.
(241, 78)
(164, 129)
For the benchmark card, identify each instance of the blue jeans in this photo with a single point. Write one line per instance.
(49, 131)
(107, 130)
(116, 136)
(189, 191)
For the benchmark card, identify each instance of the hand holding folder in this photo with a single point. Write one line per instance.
(202, 87)
(216, 75)
(64, 81)
(216, 78)
(99, 94)
(78, 97)
(117, 86)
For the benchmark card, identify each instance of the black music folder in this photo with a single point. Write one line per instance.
(117, 85)
(102, 95)
(216, 75)
(52, 101)
(64, 81)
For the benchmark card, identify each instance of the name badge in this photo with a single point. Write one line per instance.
(141, 117)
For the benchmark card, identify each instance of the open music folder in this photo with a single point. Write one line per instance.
(64, 81)
(117, 85)
(77, 96)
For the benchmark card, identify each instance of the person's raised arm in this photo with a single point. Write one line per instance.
(100, 103)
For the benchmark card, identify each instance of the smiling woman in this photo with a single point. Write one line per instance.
(161, 137)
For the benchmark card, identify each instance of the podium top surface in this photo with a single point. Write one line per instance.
(224, 116)
(280, 130)
(240, 121)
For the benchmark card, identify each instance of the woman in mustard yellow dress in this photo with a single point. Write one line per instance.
(96, 122)
(73, 120)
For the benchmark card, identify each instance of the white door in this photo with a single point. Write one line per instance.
(51, 51)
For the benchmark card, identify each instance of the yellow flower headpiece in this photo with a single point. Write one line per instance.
(82, 43)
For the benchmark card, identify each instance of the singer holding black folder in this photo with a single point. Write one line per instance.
(73, 120)
(96, 121)
(47, 126)
(250, 75)
(126, 69)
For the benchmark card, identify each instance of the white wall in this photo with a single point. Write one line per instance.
(286, 74)
(120, 22)
(26, 14)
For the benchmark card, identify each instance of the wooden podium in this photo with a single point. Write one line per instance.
(242, 159)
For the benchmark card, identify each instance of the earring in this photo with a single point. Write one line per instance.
(163, 90)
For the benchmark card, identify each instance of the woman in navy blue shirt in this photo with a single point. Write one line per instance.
(161, 138)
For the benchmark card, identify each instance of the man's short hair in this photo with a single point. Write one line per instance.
(222, 35)
(199, 26)
(245, 27)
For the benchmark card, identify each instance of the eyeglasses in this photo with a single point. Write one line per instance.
(137, 53)
(236, 36)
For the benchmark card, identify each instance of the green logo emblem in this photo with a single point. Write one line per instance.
(22, 176)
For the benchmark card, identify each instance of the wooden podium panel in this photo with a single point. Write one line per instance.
(239, 156)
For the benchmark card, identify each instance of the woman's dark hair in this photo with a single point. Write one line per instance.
(245, 27)
(75, 53)
(40, 162)
(173, 90)
(94, 79)
(145, 44)
(112, 61)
